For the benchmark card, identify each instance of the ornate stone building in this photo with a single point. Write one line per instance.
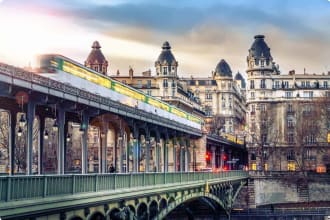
(287, 115)
(219, 99)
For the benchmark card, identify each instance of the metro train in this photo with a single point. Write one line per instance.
(65, 70)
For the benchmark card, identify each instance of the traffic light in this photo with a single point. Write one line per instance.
(225, 164)
(208, 156)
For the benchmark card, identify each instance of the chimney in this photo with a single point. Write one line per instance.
(130, 72)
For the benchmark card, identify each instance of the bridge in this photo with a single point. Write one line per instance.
(116, 196)
(69, 153)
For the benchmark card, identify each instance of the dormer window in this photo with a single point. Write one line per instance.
(262, 63)
(165, 70)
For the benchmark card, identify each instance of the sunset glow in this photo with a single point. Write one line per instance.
(131, 32)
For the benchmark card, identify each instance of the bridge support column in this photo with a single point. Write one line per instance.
(103, 159)
(187, 155)
(61, 137)
(147, 167)
(12, 143)
(84, 150)
(41, 144)
(29, 150)
(181, 150)
(213, 157)
(221, 158)
(166, 146)
(121, 151)
(174, 155)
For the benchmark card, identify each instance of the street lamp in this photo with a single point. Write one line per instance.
(20, 131)
(46, 135)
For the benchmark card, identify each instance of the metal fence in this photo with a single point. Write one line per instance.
(40, 186)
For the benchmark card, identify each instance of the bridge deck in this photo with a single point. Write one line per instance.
(21, 194)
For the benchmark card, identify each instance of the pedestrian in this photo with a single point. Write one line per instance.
(111, 169)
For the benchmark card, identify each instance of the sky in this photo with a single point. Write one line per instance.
(200, 32)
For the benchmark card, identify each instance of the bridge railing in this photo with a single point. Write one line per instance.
(40, 186)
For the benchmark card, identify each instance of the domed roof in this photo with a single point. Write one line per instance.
(239, 76)
(96, 56)
(259, 48)
(223, 69)
(166, 55)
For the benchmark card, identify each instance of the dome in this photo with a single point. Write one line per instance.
(239, 76)
(223, 69)
(95, 56)
(259, 48)
(166, 55)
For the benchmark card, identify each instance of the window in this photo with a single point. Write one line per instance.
(262, 63)
(252, 95)
(149, 92)
(288, 94)
(253, 156)
(309, 155)
(165, 83)
(208, 95)
(165, 70)
(290, 123)
(277, 84)
(303, 84)
(253, 108)
(262, 107)
(308, 84)
(291, 166)
(223, 104)
(325, 84)
(173, 83)
(290, 138)
(139, 84)
(173, 91)
(263, 84)
(264, 138)
(310, 139)
(290, 155)
(148, 83)
(307, 109)
(286, 84)
(308, 94)
(252, 84)
(290, 108)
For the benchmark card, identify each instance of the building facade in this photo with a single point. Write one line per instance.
(287, 115)
(218, 99)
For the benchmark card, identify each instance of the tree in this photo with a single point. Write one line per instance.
(263, 135)
(311, 123)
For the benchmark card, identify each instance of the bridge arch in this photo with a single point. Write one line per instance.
(96, 216)
(162, 204)
(181, 200)
(114, 214)
(142, 211)
(75, 218)
(153, 209)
